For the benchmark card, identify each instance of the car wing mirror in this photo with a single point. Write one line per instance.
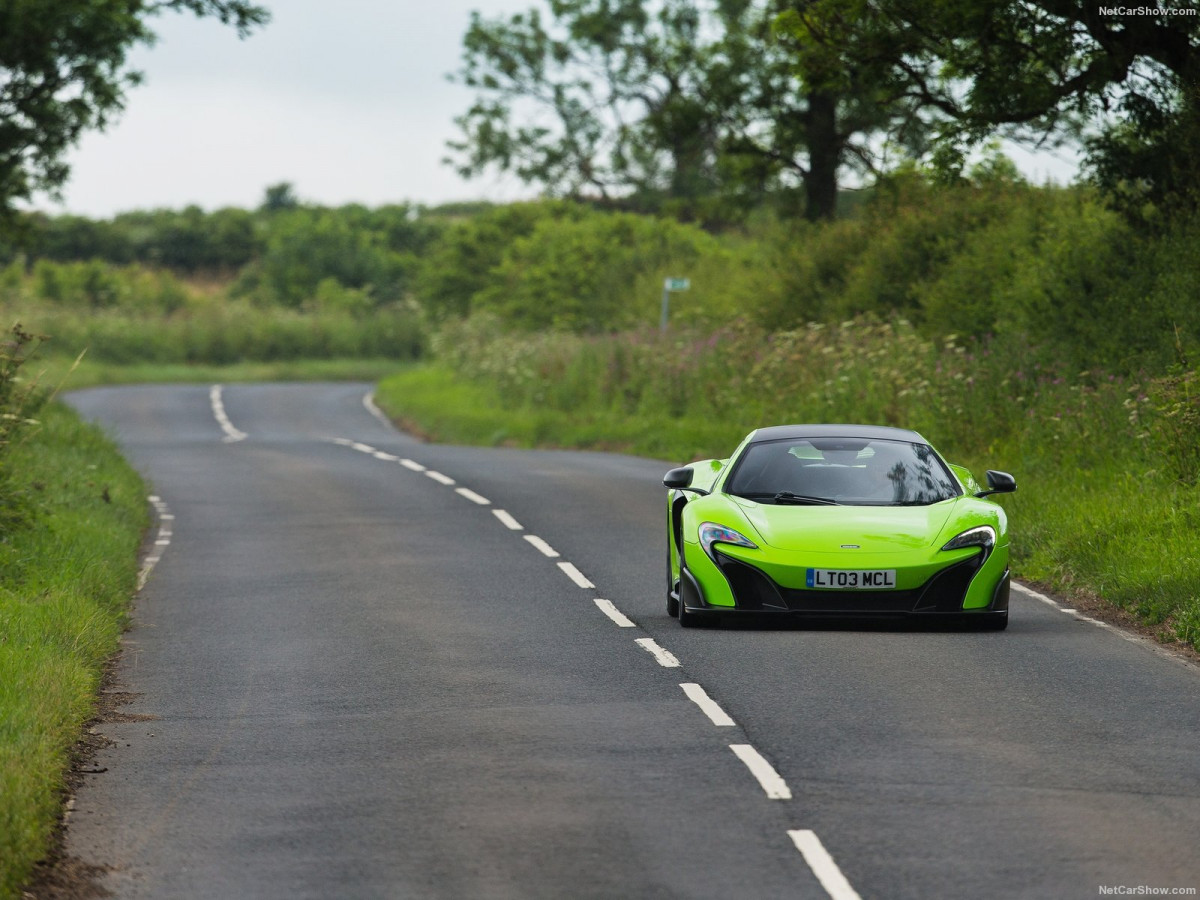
(998, 483)
(680, 480)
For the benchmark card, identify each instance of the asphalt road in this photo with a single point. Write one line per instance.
(354, 679)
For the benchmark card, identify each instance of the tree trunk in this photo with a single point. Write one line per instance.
(824, 154)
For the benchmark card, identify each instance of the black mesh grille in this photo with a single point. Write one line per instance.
(754, 590)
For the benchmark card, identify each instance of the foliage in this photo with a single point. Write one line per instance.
(1172, 413)
(373, 251)
(578, 275)
(63, 71)
(1042, 70)
(134, 315)
(19, 400)
(685, 108)
(66, 576)
(459, 263)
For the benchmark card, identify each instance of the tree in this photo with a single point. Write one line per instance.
(1125, 80)
(658, 106)
(64, 70)
(279, 197)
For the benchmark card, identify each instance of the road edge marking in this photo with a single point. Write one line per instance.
(232, 434)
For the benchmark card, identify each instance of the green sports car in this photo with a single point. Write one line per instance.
(836, 521)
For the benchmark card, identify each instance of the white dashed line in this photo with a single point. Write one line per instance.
(386, 457)
(362, 448)
(708, 705)
(413, 466)
(822, 865)
(509, 522)
(472, 496)
(344, 442)
(663, 657)
(162, 540)
(575, 575)
(439, 477)
(1119, 632)
(607, 607)
(218, 409)
(775, 787)
(542, 547)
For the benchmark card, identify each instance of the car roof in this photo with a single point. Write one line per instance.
(871, 432)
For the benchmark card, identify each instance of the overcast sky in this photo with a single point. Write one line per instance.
(348, 101)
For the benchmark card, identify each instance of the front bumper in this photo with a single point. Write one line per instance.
(966, 581)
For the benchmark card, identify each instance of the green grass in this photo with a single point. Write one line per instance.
(433, 401)
(66, 375)
(66, 577)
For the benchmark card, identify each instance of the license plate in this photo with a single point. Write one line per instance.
(851, 579)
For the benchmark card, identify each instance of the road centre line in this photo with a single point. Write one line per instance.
(609, 609)
(362, 448)
(774, 785)
(822, 865)
(542, 547)
(413, 466)
(575, 575)
(664, 658)
(472, 496)
(708, 705)
(439, 477)
(509, 522)
(218, 409)
(386, 457)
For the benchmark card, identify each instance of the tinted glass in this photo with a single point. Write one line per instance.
(855, 472)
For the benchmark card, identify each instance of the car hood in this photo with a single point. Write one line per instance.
(874, 529)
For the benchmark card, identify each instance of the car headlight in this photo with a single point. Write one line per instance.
(980, 536)
(712, 533)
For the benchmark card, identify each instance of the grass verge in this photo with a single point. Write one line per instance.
(66, 576)
(89, 373)
(1100, 527)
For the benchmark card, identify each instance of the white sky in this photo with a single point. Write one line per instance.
(348, 101)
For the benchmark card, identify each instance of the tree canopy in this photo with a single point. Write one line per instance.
(64, 69)
(1123, 80)
(672, 106)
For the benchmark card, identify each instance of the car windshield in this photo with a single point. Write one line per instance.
(849, 471)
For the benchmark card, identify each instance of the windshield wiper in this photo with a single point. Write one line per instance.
(789, 497)
(804, 499)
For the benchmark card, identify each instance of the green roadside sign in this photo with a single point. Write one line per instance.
(677, 284)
